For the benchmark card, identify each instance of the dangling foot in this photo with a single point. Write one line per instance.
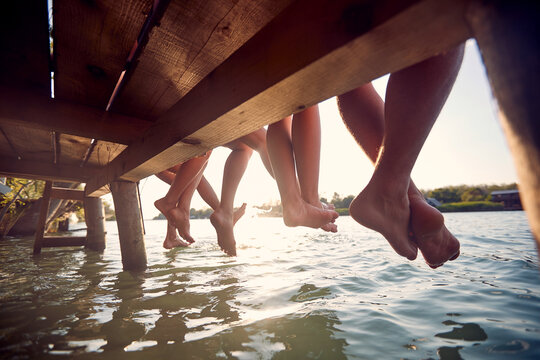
(434, 240)
(300, 213)
(387, 214)
(223, 223)
(164, 206)
(330, 227)
(238, 213)
(172, 240)
(179, 217)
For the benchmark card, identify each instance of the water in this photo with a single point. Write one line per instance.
(290, 294)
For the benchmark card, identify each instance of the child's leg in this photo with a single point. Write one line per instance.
(207, 193)
(257, 141)
(172, 239)
(180, 214)
(306, 140)
(415, 97)
(296, 212)
(223, 218)
(183, 178)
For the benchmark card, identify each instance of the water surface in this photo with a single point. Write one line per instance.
(292, 293)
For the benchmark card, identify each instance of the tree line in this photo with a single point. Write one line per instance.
(466, 193)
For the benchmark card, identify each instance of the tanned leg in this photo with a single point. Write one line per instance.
(257, 141)
(415, 97)
(306, 139)
(184, 179)
(296, 211)
(223, 218)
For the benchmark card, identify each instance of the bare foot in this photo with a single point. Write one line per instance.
(330, 227)
(301, 213)
(172, 240)
(386, 214)
(179, 217)
(434, 240)
(238, 213)
(164, 206)
(223, 223)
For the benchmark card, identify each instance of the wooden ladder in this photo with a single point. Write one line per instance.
(42, 241)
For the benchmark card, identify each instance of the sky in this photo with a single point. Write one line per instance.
(465, 146)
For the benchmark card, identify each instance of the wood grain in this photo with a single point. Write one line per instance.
(92, 42)
(312, 51)
(31, 110)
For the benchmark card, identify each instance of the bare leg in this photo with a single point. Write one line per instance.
(306, 139)
(180, 214)
(296, 211)
(257, 141)
(184, 178)
(172, 239)
(223, 218)
(411, 110)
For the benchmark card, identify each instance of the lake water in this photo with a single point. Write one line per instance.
(292, 293)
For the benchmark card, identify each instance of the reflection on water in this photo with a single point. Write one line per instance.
(290, 294)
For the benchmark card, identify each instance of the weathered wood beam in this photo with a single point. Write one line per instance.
(44, 171)
(67, 194)
(313, 50)
(33, 110)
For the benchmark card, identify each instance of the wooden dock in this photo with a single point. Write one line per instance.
(141, 85)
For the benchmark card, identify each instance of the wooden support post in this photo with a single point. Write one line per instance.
(129, 221)
(507, 33)
(95, 223)
(40, 229)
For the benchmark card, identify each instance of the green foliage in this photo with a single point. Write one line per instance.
(160, 216)
(471, 206)
(23, 191)
(200, 214)
(475, 194)
(341, 203)
(342, 211)
(454, 194)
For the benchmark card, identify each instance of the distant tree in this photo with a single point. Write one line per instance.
(341, 203)
(475, 194)
(448, 194)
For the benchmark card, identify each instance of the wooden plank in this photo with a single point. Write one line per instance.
(67, 194)
(92, 42)
(28, 109)
(507, 35)
(192, 39)
(24, 35)
(26, 143)
(104, 153)
(61, 241)
(40, 229)
(312, 51)
(44, 171)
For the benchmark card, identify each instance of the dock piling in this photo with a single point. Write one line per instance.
(129, 221)
(95, 223)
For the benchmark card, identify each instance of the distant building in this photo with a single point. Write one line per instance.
(433, 202)
(510, 199)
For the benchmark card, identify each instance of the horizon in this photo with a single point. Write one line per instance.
(465, 147)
